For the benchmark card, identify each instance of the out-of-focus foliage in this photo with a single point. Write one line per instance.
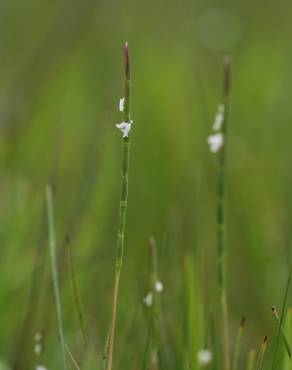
(61, 76)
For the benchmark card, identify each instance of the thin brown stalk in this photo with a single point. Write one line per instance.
(262, 353)
(72, 358)
(237, 345)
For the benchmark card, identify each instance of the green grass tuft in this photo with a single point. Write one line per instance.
(52, 245)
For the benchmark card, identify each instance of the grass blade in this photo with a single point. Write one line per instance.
(237, 345)
(155, 309)
(186, 361)
(194, 330)
(105, 352)
(283, 335)
(147, 346)
(262, 353)
(72, 358)
(287, 363)
(52, 245)
(281, 322)
(77, 297)
(251, 360)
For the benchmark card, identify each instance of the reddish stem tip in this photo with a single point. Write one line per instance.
(127, 60)
(227, 76)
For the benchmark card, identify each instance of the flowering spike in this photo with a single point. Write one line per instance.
(125, 128)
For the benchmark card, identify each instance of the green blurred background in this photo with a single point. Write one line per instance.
(61, 77)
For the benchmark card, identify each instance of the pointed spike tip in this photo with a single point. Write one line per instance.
(127, 60)
(242, 322)
(265, 339)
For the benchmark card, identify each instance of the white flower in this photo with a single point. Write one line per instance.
(215, 142)
(125, 127)
(219, 118)
(204, 356)
(37, 348)
(40, 367)
(148, 299)
(122, 104)
(158, 286)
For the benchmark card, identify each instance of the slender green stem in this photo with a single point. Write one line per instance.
(237, 345)
(105, 352)
(287, 363)
(280, 326)
(186, 361)
(275, 357)
(251, 360)
(77, 297)
(123, 208)
(221, 217)
(52, 244)
(155, 311)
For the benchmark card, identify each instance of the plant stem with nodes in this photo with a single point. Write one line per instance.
(221, 216)
(123, 208)
(77, 296)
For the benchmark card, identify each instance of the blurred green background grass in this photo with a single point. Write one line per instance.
(61, 77)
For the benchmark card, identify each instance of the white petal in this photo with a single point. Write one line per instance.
(148, 299)
(215, 142)
(37, 348)
(204, 356)
(122, 104)
(219, 118)
(40, 367)
(158, 286)
(125, 128)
